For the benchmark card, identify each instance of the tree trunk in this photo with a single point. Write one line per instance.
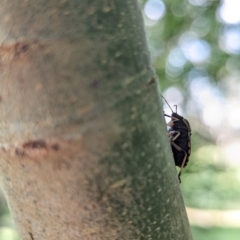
(84, 150)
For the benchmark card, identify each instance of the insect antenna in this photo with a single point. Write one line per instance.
(175, 107)
(166, 102)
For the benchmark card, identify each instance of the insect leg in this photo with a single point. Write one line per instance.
(183, 163)
(184, 159)
(171, 135)
(176, 146)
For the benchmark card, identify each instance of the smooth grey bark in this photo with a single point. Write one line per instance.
(84, 149)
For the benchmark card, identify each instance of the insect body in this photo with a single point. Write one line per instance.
(179, 133)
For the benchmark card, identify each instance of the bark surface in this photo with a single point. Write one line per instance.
(84, 149)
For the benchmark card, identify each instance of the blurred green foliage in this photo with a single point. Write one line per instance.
(182, 17)
(208, 184)
(215, 233)
(7, 231)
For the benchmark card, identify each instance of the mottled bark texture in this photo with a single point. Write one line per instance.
(84, 150)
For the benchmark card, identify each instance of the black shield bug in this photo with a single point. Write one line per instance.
(179, 133)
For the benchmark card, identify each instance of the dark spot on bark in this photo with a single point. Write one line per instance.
(151, 81)
(35, 144)
(19, 152)
(24, 48)
(20, 48)
(55, 147)
(31, 235)
(1, 98)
